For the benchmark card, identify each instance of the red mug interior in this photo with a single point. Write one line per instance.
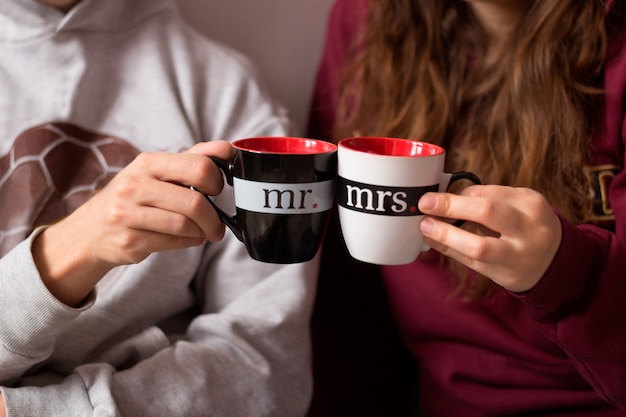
(284, 145)
(391, 146)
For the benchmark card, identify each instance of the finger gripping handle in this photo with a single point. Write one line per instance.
(463, 175)
(232, 222)
(226, 167)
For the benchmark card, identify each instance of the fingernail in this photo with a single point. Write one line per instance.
(427, 202)
(427, 226)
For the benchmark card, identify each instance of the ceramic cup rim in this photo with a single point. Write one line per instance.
(391, 147)
(284, 145)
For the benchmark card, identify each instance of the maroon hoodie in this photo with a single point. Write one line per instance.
(556, 350)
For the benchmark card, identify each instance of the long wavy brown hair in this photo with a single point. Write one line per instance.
(523, 117)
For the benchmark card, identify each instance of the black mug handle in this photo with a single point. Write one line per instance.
(232, 222)
(461, 175)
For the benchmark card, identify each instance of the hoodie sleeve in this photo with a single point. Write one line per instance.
(579, 303)
(246, 354)
(28, 334)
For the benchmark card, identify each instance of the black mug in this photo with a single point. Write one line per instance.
(284, 191)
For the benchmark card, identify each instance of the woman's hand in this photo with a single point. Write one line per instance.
(521, 232)
(144, 209)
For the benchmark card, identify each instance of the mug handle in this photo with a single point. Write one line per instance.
(232, 222)
(449, 179)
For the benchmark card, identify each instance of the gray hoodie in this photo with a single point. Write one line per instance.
(205, 331)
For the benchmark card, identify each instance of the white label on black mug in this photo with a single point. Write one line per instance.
(279, 198)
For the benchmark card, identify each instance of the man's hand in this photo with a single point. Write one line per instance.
(147, 207)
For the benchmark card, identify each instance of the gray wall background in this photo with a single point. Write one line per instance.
(284, 38)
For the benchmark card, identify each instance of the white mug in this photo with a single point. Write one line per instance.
(380, 181)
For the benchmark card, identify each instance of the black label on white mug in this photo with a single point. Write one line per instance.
(378, 199)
